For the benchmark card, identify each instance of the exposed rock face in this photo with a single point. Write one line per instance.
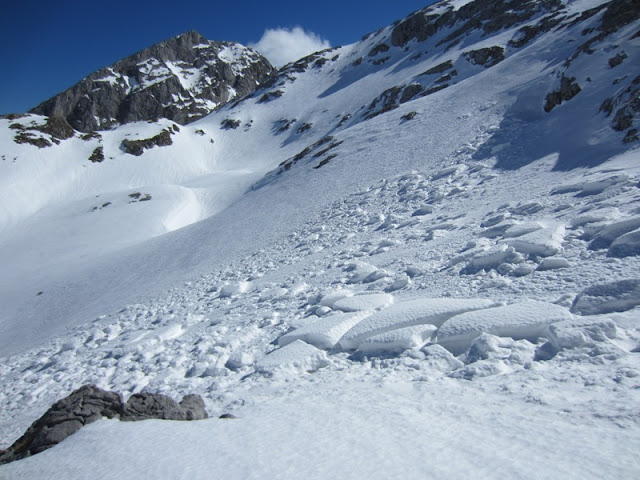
(487, 57)
(568, 89)
(137, 147)
(90, 403)
(41, 132)
(145, 406)
(182, 79)
(487, 15)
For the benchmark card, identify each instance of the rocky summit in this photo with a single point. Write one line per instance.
(182, 79)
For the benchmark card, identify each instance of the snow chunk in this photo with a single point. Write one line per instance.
(441, 359)
(298, 357)
(364, 302)
(608, 297)
(364, 272)
(608, 234)
(432, 311)
(330, 297)
(581, 332)
(237, 360)
(527, 320)
(234, 289)
(595, 216)
(626, 245)
(545, 242)
(397, 341)
(519, 229)
(324, 333)
(492, 259)
(553, 263)
(592, 188)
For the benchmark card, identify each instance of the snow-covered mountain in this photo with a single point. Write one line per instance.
(182, 79)
(416, 255)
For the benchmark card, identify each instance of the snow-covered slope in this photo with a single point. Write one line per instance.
(354, 223)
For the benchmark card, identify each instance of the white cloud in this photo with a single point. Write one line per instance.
(283, 45)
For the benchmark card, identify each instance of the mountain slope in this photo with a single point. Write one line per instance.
(356, 216)
(181, 79)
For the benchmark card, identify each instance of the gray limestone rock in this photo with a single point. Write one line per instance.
(137, 147)
(569, 88)
(90, 403)
(487, 57)
(484, 15)
(182, 79)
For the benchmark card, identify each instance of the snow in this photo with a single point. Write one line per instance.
(397, 341)
(326, 332)
(525, 320)
(544, 242)
(364, 302)
(431, 311)
(602, 298)
(297, 356)
(626, 245)
(304, 300)
(607, 235)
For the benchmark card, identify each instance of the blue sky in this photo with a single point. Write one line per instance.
(47, 46)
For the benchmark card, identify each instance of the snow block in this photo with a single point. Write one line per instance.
(297, 357)
(441, 359)
(610, 233)
(423, 311)
(527, 320)
(553, 263)
(492, 259)
(626, 245)
(581, 332)
(545, 242)
(324, 333)
(608, 297)
(398, 341)
(364, 302)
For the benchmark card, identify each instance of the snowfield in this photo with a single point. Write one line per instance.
(447, 288)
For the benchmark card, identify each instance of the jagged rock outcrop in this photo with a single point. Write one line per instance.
(182, 79)
(90, 403)
(488, 15)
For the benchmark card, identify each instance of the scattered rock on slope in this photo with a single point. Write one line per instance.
(90, 403)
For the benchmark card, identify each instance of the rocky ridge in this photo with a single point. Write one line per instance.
(182, 79)
(90, 403)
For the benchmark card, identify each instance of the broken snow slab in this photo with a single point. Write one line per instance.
(544, 242)
(607, 298)
(626, 245)
(326, 332)
(432, 311)
(297, 357)
(526, 320)
(357, 303)
(398, 341)
(611, 232)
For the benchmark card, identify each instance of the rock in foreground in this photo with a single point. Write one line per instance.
(90, 403)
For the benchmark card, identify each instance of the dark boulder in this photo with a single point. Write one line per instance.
(146, 406)
(569, 88)
(487, 57)
(137, 147)
(90, 403)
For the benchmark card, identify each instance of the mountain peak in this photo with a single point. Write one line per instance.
(183, 78)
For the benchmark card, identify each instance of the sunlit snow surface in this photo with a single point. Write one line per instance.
(315, 306)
